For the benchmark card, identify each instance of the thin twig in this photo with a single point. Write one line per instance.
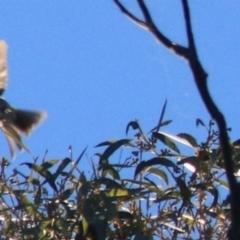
(191, 42)
(150, 26)
(176, 48)
(130, 15)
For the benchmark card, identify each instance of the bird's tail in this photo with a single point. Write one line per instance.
(25, 121)
(20, 121)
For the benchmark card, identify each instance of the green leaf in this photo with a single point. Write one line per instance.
(223, 183)
(166, 140)
(165, 198)
(189, 138)
(158, 173)
(112, 148)
(37, 198)
(108, 169)
(134, 125)
(176, 138)
(213, 190)
(62, 166)
(185, 191)
(118, 192)
(84, 226)
(154, 161)
(193, 161)
(160, 122)
(75, 164)
(44, 173)
(161, 116)
(49, 163)
(105, 143)
(109, 183)
(200, 122)
(67, 193)
(154, 187)
(125, 215)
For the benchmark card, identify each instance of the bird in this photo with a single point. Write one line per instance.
(14, 122)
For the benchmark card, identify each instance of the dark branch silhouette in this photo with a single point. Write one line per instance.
(200, 78)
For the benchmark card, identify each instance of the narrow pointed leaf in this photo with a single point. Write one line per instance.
(108, 169)
(49, 163)
(75, 164)
(118, 192)
(185, 191)
(62, 166)
(159, 173)
(112, 148)
(176, 138)
(166, 140)
(192, 141)
(134, 125)
(44, 173)
(154, 161)
(200, 122)
(161, 116)
(193, 161)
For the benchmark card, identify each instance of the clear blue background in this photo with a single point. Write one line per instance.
(93, 70)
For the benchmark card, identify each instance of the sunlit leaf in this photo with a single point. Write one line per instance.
(189, 139)
(159, 173)
(223, 183)
(118, 192)
(176, 138)
(193, 161)
(108, 169)
(49, 163)
(84, 226)
(166, 140)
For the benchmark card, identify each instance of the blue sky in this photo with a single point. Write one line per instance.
(93, 70)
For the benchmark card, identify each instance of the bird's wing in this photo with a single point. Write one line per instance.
(3, 66)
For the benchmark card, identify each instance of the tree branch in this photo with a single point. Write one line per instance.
(130, 15)
(200, 77)
(151, 27)
(191, 42)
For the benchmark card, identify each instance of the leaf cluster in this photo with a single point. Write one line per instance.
(153, 191)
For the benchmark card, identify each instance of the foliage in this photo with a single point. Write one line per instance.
(149, 194)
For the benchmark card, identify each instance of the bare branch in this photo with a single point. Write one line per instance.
(178, 49)
(145, 12)
(130, 15)
(150, 26)
(191, 42)
(200, 78)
